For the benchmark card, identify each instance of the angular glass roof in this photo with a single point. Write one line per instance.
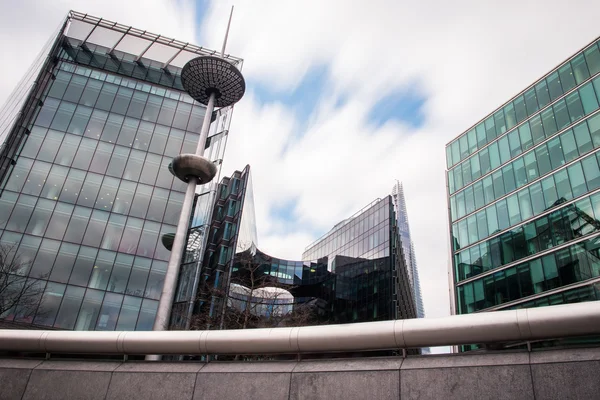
(157, 49)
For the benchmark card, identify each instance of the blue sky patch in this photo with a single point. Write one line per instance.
(404, 106)
(303, 99)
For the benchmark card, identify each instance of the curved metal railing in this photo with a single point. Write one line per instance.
(571, 320)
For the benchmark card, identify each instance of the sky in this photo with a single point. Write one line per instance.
(343, 98)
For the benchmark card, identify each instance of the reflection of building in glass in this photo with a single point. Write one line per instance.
(408, 248)
(357, 273)
(523, 187)
(86, 192)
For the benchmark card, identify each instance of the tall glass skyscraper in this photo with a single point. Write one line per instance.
(408, 248)
(86, 192)
(524, 195)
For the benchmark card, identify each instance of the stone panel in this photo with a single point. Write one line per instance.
(242, 385)
(13, 382)
(67, 384)
(567, 380)
(463, 383)
(379, 385)
(151, 385)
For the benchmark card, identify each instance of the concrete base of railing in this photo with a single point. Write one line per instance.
(550, 374)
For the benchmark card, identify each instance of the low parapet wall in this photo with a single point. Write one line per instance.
(550, 374)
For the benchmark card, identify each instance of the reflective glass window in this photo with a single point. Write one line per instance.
(556, 153)
(588, 98)
(537, 130)
(40, 217)
(63, 116)
(54, 182)
(50, 304)
(75, 88)
(67, 151)
(563, 186)
(514, 213)
(50, 146)
(84, 263)
(577, 179)
(84, 154)
(91, 93)
(152, 108)
(583, 138)
(102, 269)
(122, 100)
(96, 125)
(72, 186)
(47, 112)
(64, 262)
(494, 155)
(182, 116)
(89, 190)
(502, 211)
(90, 309)
(580, 69)
(101, 157)
(144, 134)
(112, 127)
(95, 230)
(21, 213)
(543, 95)
(147, 315)
(141, 201)
(148, 239)
(106, 97)
(128, 132)
(591, 171)
(80, 120)
(592, 57)
(67, 315)
(554, 86)
(33, 142)
(118, 160)
(131, 235)
(109, 313)
(107, 194)
(158, 204)
(509, 178)
(525, 204)
(124, 198)
(59, 85)
(7, 202)
(137, 104)
(59, 221)
(520, 172)
(504, 149)
(594, 128)
(129, 313)
(531, 101)
(478, 195)
(488, 189)
(138, 277)
(561, 115)
(174, 142)
(569, 147)
(77, 224)
(134, 165)
(566, 77)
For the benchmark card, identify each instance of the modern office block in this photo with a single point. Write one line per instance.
(408, 248)
(524, 195)
(355, 273)
(86, 193)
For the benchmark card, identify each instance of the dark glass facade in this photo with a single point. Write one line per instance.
(88, 193)
(358, 276)
(523, 189)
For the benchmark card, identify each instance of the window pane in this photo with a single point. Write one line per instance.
(101, 157)
(561, 115)
(144, 134)
(21, 213)
(102, 269)
(566, 77)
(63, 116)
(134, 165)
(91, 93)
(152, 108)
(537, 131)
(40, 217)
(588, 98)
(520, 172)
(531, 101)
(59, 221)
(594, 128)
(77, 224)
(95, 230)
(88, 314)
(556, 154)
(577, 179)
(129, 313)
(592, 173)
(583, 138)
(75, 88)
(131, 235)
(83, 266)
(148, 239)
(69, 308)
(537, 198)
(592, 57)
(114, 230)
(128, 132)
(580, 69)
(141, 201)
(84, 154)
(89, 190)
(50, 304)
(64, 262)
(554, 86)
(543, 95)
(34, 142)
(109, 313)
(147, 315)
(138, 277)
(158, 204)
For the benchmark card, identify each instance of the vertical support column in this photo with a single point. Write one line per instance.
(163, 314)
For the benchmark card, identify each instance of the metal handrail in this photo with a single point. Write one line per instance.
(570, 320)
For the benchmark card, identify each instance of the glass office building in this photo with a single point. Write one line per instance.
(355, 273)
(524, 195)
(408, 248)
(86, 193)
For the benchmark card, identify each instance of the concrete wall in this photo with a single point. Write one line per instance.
(552, 374)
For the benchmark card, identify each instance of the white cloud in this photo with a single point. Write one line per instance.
(466, 57)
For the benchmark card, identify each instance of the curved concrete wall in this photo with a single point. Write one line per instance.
(552, 374)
